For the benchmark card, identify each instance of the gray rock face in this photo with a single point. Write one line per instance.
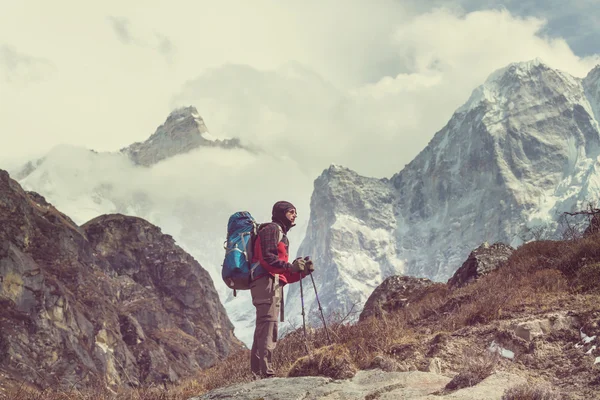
(394, 293)
(522, 150)
(373, 384)
(183, 131)
(114, 300)
(351, 240)
(154, 271)
(481, 261)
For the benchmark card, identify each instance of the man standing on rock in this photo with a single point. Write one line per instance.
(271, 272)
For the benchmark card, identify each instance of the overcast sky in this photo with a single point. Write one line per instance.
(357, 83)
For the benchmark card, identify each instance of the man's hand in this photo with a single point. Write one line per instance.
(309, 266)
(298, 265)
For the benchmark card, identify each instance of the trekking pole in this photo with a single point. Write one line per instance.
(303, 320)
(320, 308)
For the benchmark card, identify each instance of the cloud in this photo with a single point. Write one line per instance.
(156, 41)
(22, 68)
(165, 47)
(189, 196)
(368, 91)
(374, 128)
(121, 28)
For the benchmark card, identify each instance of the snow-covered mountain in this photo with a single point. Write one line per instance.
(523, 149)
(183, 131)
(351, 238)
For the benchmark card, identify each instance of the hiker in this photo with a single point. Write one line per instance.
(269, 277)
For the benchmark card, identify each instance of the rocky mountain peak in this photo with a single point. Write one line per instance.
(113, 300)
(180, 113)
(521, 83)
(594, 73)
(184, 130)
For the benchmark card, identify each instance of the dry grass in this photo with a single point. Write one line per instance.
(183, 391)
(538, 277)
(587, 279)
(532, 392)
(332, 361)
(475, 367)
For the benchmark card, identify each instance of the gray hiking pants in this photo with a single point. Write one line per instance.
(266, 297)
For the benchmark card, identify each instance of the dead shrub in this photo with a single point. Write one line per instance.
(331, 361)
(587, 278)
(429, 302)
(543, 254)
(234, 369)
(487, 298)
(474, 368)
(546, 281)
(582, 252)
(528, 391)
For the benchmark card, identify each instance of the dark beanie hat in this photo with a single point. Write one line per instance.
(278, 213)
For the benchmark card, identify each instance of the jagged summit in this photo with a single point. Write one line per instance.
(184, 130)
(533, 76)
(188, 115)
(594, 71)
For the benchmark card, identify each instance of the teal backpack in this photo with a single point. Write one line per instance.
(237, 265)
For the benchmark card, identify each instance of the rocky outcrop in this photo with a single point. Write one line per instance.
(394, 293)
(183, 131)
(481, 261)
(113, 301)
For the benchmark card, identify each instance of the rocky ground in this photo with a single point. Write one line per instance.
(370, 385)
(511, 324)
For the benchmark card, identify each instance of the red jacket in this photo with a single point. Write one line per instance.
(271, 252)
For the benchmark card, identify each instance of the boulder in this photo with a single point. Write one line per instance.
(481, 261)
(393, 294)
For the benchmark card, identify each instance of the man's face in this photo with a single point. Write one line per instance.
(291, 215)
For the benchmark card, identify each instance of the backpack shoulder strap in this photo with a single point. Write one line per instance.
(261, 226)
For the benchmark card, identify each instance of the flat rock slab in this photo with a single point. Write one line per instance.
(372, 385)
